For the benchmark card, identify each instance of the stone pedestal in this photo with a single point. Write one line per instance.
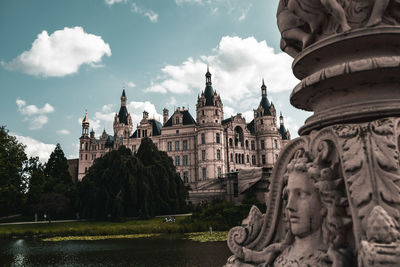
(335, 191)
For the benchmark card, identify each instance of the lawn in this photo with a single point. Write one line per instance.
(95, 228)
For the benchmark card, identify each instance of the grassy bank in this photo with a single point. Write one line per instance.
(86, 228)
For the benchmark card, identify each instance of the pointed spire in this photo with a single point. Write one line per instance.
(123, 98)
(208, 76)
(85, 119)
(263, 88)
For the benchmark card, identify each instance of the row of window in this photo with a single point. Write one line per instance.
(253, 144)
(203, 174)
(177, 145)
(185, 160)
(144, 133)
(93, 156)
(85, 146)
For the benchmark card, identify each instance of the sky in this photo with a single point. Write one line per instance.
(59, 58)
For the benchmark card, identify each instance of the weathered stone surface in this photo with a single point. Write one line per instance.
(335, 191)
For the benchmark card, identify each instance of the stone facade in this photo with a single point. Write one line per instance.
(334, 197)
(202, 150)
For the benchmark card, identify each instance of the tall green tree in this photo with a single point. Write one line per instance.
(12, 159)
(35, 171)
(52, 191)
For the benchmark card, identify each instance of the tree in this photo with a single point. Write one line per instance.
(12, 159)
(35, 171)
(126, 185)
(51, 189)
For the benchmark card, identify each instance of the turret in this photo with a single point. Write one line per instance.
(282, 130)
(209, 105)
(165, 115)
(85, 125)
(92, 133)
(264, 115)
(122, 120)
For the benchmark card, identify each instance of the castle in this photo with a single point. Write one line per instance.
(203, 149)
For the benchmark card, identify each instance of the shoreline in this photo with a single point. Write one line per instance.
(106, 229)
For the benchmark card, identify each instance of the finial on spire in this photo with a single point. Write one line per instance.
(208, 68)
(263, 88)
(281, 114)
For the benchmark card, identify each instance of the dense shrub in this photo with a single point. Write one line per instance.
(120, 185)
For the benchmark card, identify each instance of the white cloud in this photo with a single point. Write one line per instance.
(292, 125)
(237, 65)
(112, 2)
(136, 110)
(150, 14)
(63, 132)
(33, 114)
(35, 148)
(61, 53)
(36, 123)
(131, 84)
(104, 119)
(32, 109)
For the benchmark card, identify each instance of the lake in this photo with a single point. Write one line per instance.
(113, 252)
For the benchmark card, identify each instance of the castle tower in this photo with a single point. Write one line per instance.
(268, 138)
(209, 108)
(85, 125)
(283, 131)
(165, 115)
(122, 120)
(210, 134)
(84, 149)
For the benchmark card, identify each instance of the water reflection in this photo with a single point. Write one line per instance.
(120, 252)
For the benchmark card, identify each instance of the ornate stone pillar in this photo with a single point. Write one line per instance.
(335, 191)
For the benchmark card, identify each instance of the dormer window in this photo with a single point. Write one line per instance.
(202, 112)
(177, 120)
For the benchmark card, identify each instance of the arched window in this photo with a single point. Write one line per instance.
(230, 142)
(247, 143)
(239, 136)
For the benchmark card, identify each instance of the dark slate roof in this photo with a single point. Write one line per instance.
(228, 120)
(250, 127)
(209, 94)
(283, 132)
(266, 105)
(156, 127)
(187, 119)
(123, 115)
(110, 141)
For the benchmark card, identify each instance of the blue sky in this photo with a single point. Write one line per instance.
(58, 58)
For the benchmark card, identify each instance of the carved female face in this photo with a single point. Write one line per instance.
(303, 205)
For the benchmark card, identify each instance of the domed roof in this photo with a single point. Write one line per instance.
(209, 91)
(264, 103)
(123, 115)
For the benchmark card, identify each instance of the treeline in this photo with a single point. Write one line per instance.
(118, 185)
(28, 186)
